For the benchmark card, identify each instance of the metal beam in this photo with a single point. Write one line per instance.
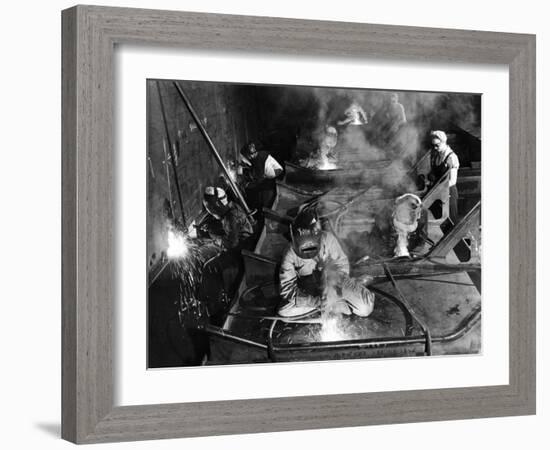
(172, 156)
(212, 148)
(460, 230)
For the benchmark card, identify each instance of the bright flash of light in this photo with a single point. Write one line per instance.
(331, 329)
(178, 245)
(326, 164)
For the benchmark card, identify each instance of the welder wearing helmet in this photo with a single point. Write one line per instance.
(232, 229)
(399, 229)
(261, 170)
(443, 159)
(355, 115)
(324, 157)
(409, 222)
(236, 227)
(314, 264)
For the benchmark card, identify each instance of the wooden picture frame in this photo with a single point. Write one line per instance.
(89, 36)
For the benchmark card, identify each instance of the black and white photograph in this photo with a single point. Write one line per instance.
(308, 223)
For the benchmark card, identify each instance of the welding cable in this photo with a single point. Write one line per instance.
(424, 328)
(281, 318)
(270, 349)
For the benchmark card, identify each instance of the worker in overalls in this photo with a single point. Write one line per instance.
(443, 160)
(232, 230)
(260, 171)
(314, 273)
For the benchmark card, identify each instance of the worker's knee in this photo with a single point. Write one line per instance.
(363, 309)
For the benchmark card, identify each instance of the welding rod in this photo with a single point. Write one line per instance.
(217, 156)
(172, 158)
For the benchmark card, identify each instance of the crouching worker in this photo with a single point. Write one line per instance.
(232, 230)
(399, 229)
(314, 273)
(409, 221)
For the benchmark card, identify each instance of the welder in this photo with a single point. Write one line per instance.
(399, 229)
(314, 273)
(232, 230)
(260, 172)
(324, 158)
(354, 115)
(442, 160)
(409, 221)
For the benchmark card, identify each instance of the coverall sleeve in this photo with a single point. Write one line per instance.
(271, 167)
(288, 277)
(453, 164)
(236, 228)
(336, 254)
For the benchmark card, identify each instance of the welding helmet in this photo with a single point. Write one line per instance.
(215, 201)
(407, 210)
(305, 233)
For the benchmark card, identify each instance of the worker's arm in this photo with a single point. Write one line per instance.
(335, 254)
(288, 277)
(401, 117)
(454, 164)
(236, 228)
(363, 115)
(272, 168)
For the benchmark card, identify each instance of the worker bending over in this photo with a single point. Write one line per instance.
(260, 172)
(314, 273)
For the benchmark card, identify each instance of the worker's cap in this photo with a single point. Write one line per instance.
(440, 135)
(214, 193)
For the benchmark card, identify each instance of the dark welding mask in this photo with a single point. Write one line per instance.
(306, 232)
(215, 201)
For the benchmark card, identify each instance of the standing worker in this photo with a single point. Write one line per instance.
(261, 170)
(443, 160)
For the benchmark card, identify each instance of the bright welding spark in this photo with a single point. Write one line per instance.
(331, 329)
(178, 245)
(326, 164)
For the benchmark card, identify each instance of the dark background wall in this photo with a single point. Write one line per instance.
(229, 113)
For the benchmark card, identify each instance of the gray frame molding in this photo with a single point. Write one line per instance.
(89, 35)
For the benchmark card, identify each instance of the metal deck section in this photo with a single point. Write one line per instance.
(430, 304)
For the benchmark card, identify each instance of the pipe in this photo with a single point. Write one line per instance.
(172, 158)
(424, 328)
(220, 332)
(168, 177)
(470, 322)
(217, 156)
